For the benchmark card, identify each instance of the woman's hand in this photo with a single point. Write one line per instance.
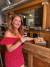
(24, 38)
(29, 38)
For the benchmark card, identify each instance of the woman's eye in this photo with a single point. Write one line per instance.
(17, 21)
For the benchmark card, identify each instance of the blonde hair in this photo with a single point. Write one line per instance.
(11, 27)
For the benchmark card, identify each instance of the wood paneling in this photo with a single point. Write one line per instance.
(30, 60)
(37, 56)
(48, 15)
(44, 16)
(47, 37)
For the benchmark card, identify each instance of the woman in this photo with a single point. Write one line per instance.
(13, 39)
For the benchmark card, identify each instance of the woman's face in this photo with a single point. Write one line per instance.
(17, 22)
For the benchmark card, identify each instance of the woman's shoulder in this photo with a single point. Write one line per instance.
(8, 34)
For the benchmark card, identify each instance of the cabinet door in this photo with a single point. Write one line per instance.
(41, 34)
(47, 36)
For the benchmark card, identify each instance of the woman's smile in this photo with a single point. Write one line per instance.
(18, 25)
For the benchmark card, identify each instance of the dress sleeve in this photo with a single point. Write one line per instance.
(6, 41)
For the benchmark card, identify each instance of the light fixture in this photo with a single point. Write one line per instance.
(8, 1)
(24, 16)
(30, 14)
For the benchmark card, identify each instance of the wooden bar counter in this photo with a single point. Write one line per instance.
(36, 56)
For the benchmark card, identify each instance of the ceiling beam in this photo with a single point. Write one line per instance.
(27, 9)
(25, 6)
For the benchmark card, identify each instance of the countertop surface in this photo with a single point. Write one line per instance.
(38, 30)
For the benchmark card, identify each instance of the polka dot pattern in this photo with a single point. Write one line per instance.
(14, 58)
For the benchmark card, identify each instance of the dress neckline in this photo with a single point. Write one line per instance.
(12, 37)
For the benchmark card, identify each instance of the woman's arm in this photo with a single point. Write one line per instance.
(11, 47)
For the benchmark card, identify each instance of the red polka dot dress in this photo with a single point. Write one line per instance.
(14, 58)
